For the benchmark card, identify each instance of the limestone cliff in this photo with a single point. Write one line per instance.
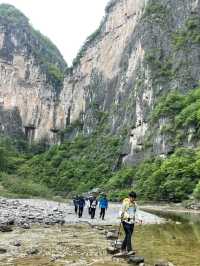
(142, 49)
(29, 79)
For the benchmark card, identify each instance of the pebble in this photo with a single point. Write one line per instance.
(5, 228)
(111, 235)
(112, 250)
(14, 212)
(3, 250)
(25, 226)
(33, 251)
(17, 243)
(135, 260)
(117, 244)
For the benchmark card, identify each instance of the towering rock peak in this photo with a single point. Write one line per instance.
(142, 50)
(31, 77)
(18, 36)
(10, 14)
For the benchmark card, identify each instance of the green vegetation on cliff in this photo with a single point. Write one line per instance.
(171, 179)
(89, 41)
(74, 166)
(87, 162)
(183, 114)
(13, 154)
(83, 162)
(12, 14)
(155, 11)
(78, 165)
(188, 35)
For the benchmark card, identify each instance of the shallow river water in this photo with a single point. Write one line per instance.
(78, 243)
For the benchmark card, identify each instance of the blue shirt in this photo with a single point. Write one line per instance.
(103, 203)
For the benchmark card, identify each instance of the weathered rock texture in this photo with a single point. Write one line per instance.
(131, 60)
(28, 98)
(128, 64)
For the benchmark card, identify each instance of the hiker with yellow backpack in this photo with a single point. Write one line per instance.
(129, 216)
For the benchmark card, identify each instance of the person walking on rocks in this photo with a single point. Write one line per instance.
(128, 215)
(93, 207)
(103, 205)
(75, 201)
(81, 205)
(89, 202)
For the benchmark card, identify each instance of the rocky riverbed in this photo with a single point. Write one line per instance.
(25, 212)
(59, 245)
(48, 233)
(40, 232)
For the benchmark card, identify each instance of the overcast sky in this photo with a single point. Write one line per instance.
(66, 22)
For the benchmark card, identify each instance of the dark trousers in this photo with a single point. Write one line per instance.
(102, 213)
(89, 210)
(76, 208)
(80, 212)
(92, 212)
(128, 229)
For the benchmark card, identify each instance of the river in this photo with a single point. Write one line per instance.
(82, 242)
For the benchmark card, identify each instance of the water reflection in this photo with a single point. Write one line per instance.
(184, 217)
(177, 241)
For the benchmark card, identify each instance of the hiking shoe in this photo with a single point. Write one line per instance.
(121, 254)
(132, 252)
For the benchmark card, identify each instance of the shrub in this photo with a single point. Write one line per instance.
(168, 106)
(188, 35)
(155, 11)
(25, 187)
(172, 179)
(55, 74)
(196, 192)
(122, 179)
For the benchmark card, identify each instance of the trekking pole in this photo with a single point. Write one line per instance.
(118, 234)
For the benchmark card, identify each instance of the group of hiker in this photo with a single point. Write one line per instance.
(128, 215)
(91, 202)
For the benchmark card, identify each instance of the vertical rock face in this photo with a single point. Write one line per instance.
(26, 88)
(131, 60)
(102, 75)
(142, 49)
(31, 96)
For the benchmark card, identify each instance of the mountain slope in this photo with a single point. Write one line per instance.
(127, 112)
